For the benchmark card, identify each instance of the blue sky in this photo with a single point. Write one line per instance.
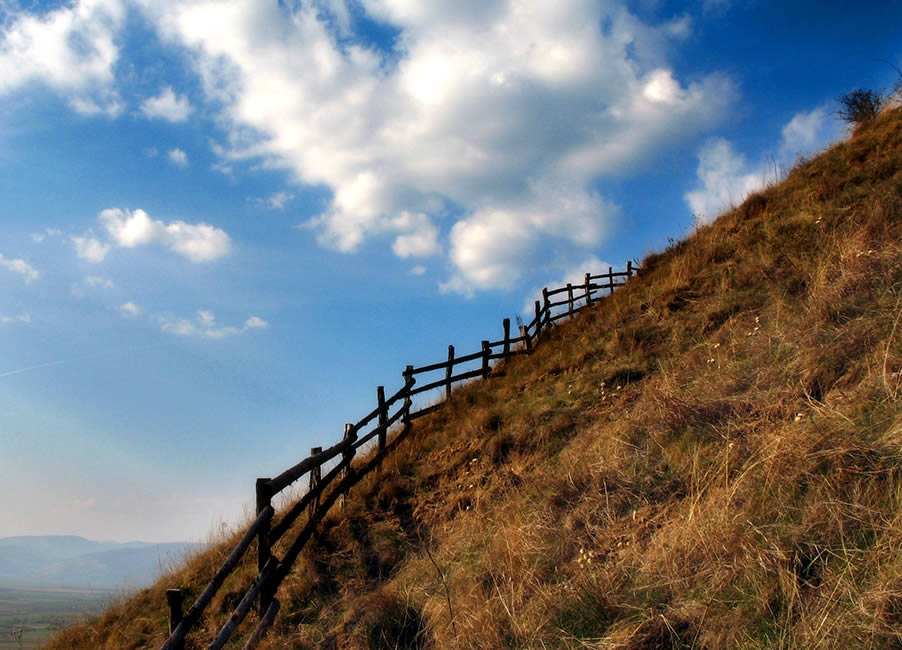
(223, 224)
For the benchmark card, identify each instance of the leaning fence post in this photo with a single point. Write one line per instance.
(486, 353)
(315, 476)
(611, 279)
(383, 416)
(449, 371)
(570, 299)
(506, 324)
(174, 601)
(347, 456)
(588, 289)
(525, 335)
(629, 269)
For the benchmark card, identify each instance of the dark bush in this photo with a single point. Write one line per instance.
(859, 106)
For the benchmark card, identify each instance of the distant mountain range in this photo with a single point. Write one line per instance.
(69, 561)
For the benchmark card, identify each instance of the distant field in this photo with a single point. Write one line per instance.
(38, 611)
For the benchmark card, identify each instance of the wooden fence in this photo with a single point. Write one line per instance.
(397, 409)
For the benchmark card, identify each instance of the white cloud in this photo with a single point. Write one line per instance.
(808, 132)
(204, 325)
(479, 105)
(275, 201)
(71, 49)
(255, 322)
(90, 249)
(197, 242)
(29, 273)
(178, 157)
(91, 282)
(95, 281)
(167, 106)
(726, 177)
(21, 318)
(420, 238)
(489, 248)
(419, 269)
(726, 180)
(130, 310)
(39, 237)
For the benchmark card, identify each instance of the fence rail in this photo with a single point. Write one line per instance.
(388, 413)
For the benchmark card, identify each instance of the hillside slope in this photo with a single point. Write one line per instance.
(710, 458)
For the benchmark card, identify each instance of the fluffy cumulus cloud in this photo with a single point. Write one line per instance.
(436, 141)
(167, 106)
(204, 325)
(21, 267)
(129, 229)
(726, 177)
(90, 249)
(71, 49)
(449, 138)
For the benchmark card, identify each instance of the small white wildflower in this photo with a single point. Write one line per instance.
(797, 417)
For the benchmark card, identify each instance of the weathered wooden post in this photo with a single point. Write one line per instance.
(383, 417)
(264, 550)
(506, 351)
(588, 289)
(449, 371)
(264, 500)
(486, 353)
(611, 279)
(526, 341)
(408, 402)
(174, 602)
(629, 269)
(347, 456)
(538, 321)
(546, 306)
(316, 473)
(570, 299)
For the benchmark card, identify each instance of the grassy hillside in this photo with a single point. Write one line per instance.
(711, 458)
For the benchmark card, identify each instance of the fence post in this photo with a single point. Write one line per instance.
(538, 321)
(506, 324)
(588, 290)
(408, 384)
(486, 352)
(174, 601)
(611, 279)
(315, 476)
(526, 340)
(264, 499)
(264, 550)
(449, 371)
(383, 416)
(570, 299)
(629, 269)
(347, 456)
(546, 306)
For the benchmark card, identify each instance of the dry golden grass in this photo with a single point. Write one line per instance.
(710, 458)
